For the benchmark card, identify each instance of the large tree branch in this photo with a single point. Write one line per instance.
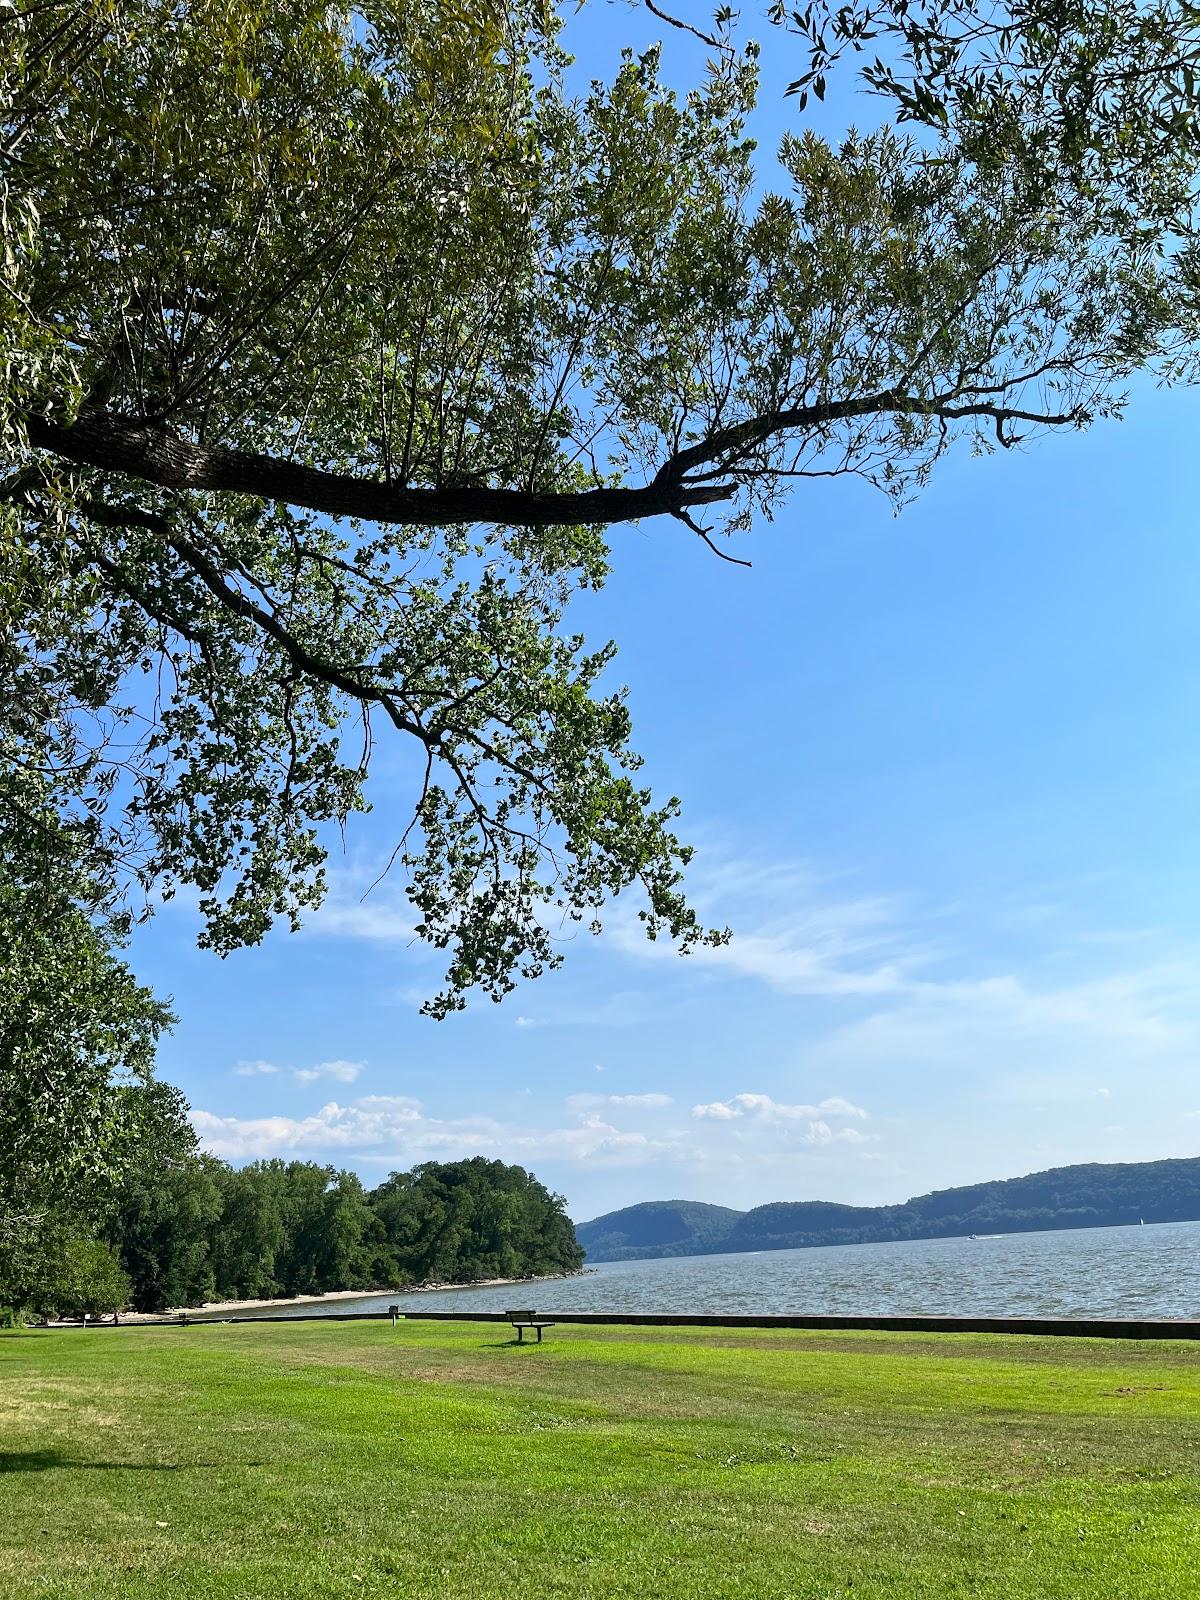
(160, 456)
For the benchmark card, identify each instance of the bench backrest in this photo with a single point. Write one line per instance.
(520, 1316)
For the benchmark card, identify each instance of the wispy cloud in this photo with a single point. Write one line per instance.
(902, 982)
(333, 1071)
(654, 1102)
(364, 901)
(1123, 1016)
(834, 946)
(330, 1071)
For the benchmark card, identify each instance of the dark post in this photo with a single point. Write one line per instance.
(395, 1311)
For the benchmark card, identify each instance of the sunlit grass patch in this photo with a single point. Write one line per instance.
(338, 1459)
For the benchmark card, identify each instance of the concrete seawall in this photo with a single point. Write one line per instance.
(1046, 1327)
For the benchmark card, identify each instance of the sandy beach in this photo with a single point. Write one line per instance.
(216, 1308)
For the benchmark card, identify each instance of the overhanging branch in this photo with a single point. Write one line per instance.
(158, 455)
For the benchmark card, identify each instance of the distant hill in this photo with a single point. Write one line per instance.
(1088, 1196)
(659, 1228)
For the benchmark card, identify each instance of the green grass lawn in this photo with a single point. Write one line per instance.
(439, 1459)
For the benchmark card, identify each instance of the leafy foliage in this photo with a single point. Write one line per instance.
(78, 1100)
(58, 1271)
(459, 1220)
(287, 471)
(209, 1231)
(1098, 96)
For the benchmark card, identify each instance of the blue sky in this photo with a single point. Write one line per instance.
(943, 772)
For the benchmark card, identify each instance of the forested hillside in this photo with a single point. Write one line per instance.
(658, 1228)
(1088, 1196)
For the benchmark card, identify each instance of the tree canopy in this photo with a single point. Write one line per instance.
(79, 1104)
(211, 1231)
(333, 337)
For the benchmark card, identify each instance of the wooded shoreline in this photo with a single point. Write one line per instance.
(215, 1308)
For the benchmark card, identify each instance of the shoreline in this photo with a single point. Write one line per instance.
(216, 1308)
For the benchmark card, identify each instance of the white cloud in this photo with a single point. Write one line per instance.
(334, 1071)
(396, 1130)
(1104, 1093)
(1119, 1017)
(797, 935)
(364, 901)
(842, 949)
(255, 1069)
(650, 1102)
(762, 1106)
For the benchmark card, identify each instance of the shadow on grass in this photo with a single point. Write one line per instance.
(509, 1344)
(47, 1460)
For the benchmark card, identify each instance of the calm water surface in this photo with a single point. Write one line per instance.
(1089, 1272)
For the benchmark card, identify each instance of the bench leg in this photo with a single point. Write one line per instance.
(539, 1333)
(520, 1335)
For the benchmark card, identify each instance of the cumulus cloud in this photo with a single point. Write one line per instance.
(255, 1069)
(397, 1130)
(333, 1071)
(762, 1106)
(771, 1125)
(620, 1130)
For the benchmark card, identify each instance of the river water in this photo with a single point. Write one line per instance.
(1151, 1271)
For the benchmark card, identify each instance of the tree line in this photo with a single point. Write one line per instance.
(200, 1229)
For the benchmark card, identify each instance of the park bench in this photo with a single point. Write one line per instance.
(527, 1319)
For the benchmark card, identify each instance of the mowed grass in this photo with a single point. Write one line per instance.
(437, 1459)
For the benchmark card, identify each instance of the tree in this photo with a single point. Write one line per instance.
(286, 470)
(161, 1229)
(454, 1221)
(79, 1104)
(1100, 94)
(251, 1232)
(58, 1272)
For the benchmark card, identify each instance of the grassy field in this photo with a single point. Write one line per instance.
(442, 1460)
